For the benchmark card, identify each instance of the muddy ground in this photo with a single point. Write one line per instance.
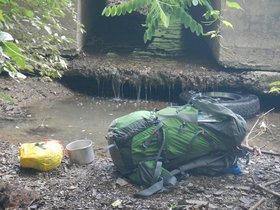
(98, 186)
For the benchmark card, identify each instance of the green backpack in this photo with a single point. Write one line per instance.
(151, 147)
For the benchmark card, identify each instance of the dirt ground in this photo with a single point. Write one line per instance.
(98, 186)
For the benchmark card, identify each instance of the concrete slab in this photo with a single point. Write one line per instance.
(255, 41)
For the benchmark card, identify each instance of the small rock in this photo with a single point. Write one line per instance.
(231, 177)
(93, 192)
(190, 185)
(117, 203)
(33, 207)
(72, 187)
(121, 182)
(7, 177)
(229, 187)
(243, 188)
(218, 193)
(277, 170)
(245, 200)
(229, 206)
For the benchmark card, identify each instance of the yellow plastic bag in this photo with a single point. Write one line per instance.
(43, 156)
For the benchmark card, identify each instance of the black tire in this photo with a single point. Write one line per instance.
(246, 105)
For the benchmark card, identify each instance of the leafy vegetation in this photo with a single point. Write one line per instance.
(6, 98)
(28, 38)
(274, 87)
(162, 11)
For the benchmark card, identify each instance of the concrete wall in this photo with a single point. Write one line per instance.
(255, 41)
(89, 12)
(71, 31)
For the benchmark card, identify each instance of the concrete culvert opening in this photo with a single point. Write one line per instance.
(122, 34)
(125, 34)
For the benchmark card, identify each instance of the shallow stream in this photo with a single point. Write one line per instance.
(71, 119)
(88, 118)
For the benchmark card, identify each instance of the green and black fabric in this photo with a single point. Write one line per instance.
(150, 147)
(232, 128)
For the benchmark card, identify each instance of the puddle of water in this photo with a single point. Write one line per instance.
(89, 118)
(71, 119)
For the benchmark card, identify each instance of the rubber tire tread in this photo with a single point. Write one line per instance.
(247, 105)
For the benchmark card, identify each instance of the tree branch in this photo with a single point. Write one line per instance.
(262, 186)
(257, 204)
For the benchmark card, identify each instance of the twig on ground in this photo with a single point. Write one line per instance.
(246, 145)
(268, 190)
(271, 182)
(262, 186)
(255, 136)
(257, 204)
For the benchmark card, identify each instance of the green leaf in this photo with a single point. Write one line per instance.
(12, 50)
(28, 13)
(207, 5)
(195, 2)
(129, 7)
(152, 27)
(4, 36)
(164, 19)
(227, 24)
(181, 14)
(233, 4)
(145, 37)
(10, 67)
(276, 83)
(3, 2)
(215, 13)
(199, 29)
(208, 33)
(142, 3)
(193, 26)
(148, 35)
(189, 3)
(119, 11)
(2, 19)
(123, 8)
(207, 15)
(29, 68)
(6, 98)
(113, 11)
(274, 90)
(106, 11)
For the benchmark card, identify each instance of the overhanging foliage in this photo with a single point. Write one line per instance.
(161, 11)
(23, 50)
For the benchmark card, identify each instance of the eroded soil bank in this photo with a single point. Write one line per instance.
(97, 185)
(152, 75)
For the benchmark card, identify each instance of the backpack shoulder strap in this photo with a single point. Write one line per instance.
(162, 180)
(165, 184)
